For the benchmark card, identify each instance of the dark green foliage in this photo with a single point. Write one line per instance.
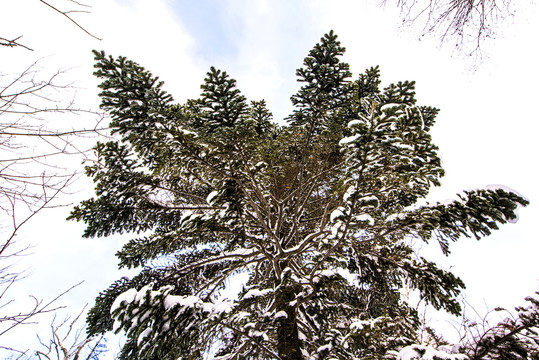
(317, 215)
(223, 105)
(324, 75)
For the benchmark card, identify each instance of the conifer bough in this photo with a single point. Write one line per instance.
(315, 216)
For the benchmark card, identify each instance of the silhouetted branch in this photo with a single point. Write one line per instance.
(466, 22)
(67, 342)
(13, 43)
(68, 14)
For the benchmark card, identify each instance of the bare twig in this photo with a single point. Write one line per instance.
(83, 8)
(13, 43)
(67, 15)
(68, 342)
(33, 173)
(467, 23)
(38, 309)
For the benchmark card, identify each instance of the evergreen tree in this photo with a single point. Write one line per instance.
(317, 215)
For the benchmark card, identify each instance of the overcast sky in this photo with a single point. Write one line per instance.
(486, 129)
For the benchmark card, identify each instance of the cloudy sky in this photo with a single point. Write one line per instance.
(486, 130)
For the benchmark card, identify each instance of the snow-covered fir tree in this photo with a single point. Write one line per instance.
(317, 217)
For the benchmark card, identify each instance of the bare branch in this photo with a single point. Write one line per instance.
(38, 309)
(17, 226)
(13, 43)
(36, 146)
(68, 342)
(467, 23)
(67, 15)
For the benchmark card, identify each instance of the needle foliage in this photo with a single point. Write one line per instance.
(315, 217)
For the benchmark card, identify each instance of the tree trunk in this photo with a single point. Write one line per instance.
(289, 345)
